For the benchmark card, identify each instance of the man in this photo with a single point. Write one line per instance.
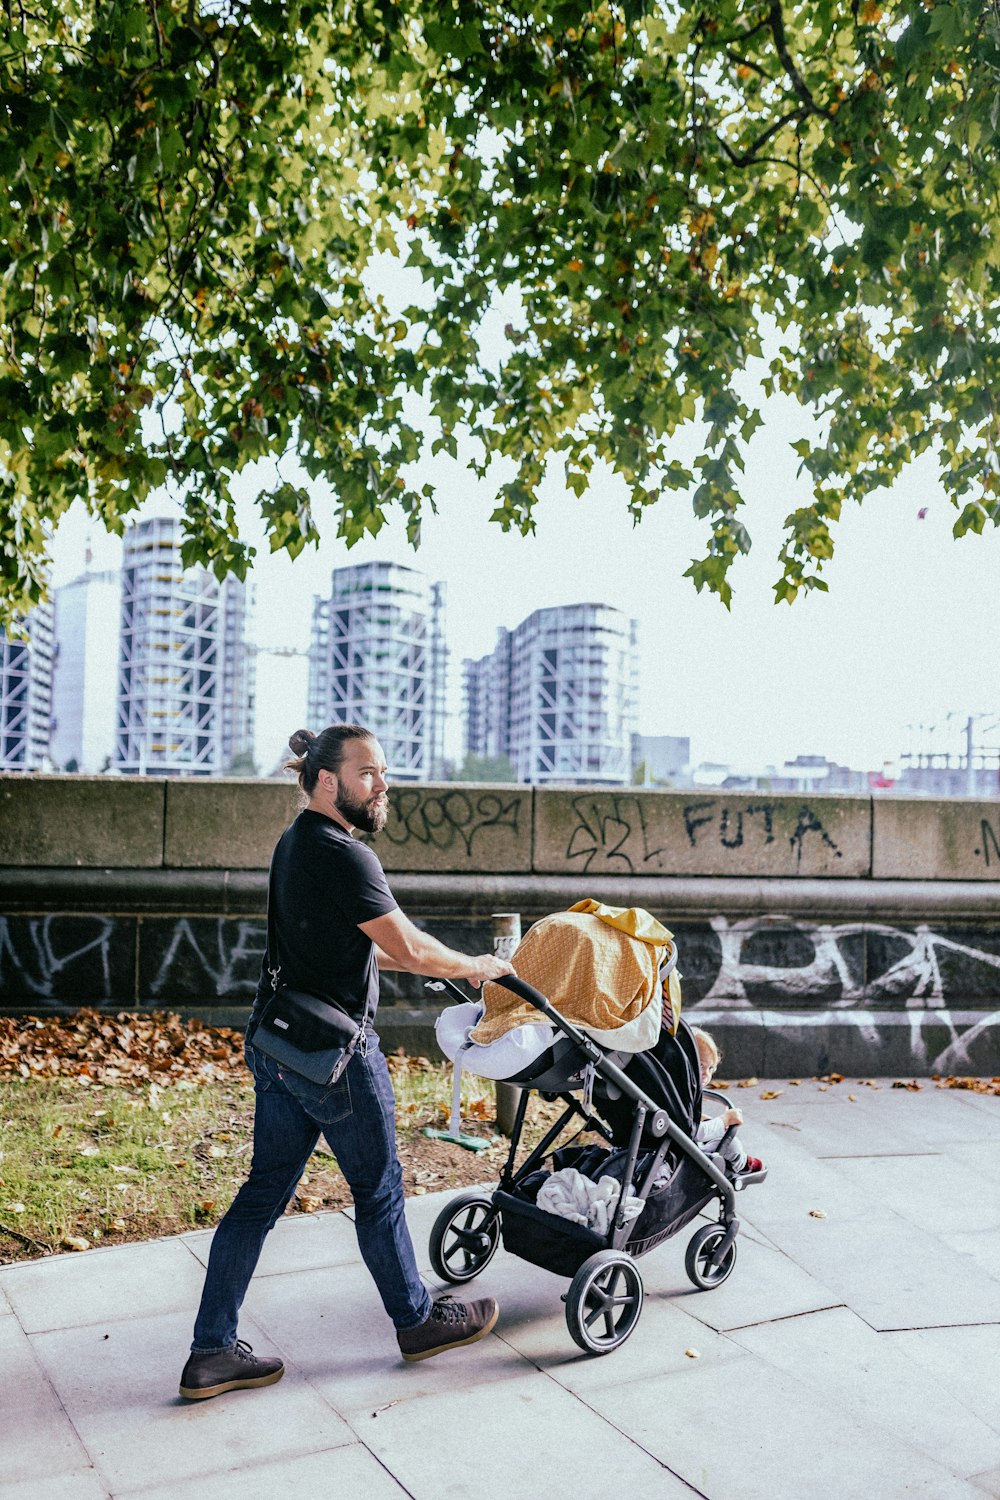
(335, 924)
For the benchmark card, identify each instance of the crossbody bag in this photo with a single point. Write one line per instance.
(309, 1034)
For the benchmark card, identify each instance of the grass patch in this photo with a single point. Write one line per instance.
(86, 1163)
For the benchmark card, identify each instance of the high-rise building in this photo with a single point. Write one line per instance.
(558, 696)
(85, 671)
(26, 694)
(186, 668)
(377, 657)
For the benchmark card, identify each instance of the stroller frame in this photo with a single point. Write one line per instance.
(606, 1293)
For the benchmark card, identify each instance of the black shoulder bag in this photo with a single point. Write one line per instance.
(309, 1034)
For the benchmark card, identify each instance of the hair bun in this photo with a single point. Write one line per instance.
(300, 741)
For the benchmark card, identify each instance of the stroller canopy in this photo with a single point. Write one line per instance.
(599, 966)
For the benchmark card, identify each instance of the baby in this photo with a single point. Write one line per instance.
(710, 1132)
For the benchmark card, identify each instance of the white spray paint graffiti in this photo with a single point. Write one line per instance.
(38, 969)
(221, 966)
(916, 975)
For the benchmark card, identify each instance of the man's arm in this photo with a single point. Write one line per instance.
(399, 944)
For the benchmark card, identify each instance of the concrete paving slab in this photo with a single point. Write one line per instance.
(118, 1386)
(797, 1182)
(963, 1361)
(844, 1127)
(985, 1103)
(104, 1286)
(891, 1273)
(659, 1344)
(82, 1484)
(764, 1285)
(528, 1436)
(302, 1242)
(961, 1196)
(350, 1470)
(842, 1360)
(742, 1427)
(333, 1328)
(899, 1118)
(988, 1483)
(33, 1420)
(982, 1245)
(979, 1156)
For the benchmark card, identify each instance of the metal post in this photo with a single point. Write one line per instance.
(506, 928)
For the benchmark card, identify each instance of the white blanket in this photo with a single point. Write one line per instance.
(572, 1196)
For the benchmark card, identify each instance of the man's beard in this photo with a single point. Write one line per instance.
(369, 816)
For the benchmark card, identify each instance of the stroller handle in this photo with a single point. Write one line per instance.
(526, 991)
(659, 1122)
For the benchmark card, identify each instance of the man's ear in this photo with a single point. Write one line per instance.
(328, 781)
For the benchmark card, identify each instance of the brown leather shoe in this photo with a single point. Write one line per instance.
(450, 1325)
(237, 1369)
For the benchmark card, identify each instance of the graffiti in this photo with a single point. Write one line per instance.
(988, 839)
(602, 830)
(203, 956)
(124, 961)
(55, 958)
(702, 814)
(692, 822)
(625, 834)
(445, 820)
(775, 961)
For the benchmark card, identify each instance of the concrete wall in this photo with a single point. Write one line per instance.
(814, 932)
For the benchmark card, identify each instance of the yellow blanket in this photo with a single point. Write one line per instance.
(599, 965)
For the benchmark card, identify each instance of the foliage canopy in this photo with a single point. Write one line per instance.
(197, 189)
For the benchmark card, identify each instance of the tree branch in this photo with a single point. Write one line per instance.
(777, 22)
(749, 157)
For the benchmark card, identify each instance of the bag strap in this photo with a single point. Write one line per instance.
(272, 933)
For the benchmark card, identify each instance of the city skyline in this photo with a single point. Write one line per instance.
(897, 655)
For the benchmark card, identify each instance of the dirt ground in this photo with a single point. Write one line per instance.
(429, 1166)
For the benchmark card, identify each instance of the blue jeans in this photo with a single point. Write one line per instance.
(357, 1115)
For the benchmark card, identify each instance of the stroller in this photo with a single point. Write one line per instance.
(646, 1106)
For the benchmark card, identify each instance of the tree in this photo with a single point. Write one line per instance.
(486, 768)
(196, 190)
(242, 764)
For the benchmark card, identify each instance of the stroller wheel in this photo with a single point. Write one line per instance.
(698, 1257)
(464, 1238)
(604, 1301)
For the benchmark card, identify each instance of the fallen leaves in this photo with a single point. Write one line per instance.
(772, 1093)
(91, 1047)
(975, 1085)
(693, 1353)
(911, 1084)
(74, 1242)
(817, 1213)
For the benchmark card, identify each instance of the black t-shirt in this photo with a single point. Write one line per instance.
(323, 883)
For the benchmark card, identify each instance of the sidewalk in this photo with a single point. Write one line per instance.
(853, 1355)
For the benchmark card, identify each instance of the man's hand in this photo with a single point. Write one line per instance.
(483, 967)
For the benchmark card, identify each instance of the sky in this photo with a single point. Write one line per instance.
(905, 637)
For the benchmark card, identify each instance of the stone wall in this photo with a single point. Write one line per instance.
(814, 932)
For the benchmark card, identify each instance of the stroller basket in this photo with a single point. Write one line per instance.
(544, 1239)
